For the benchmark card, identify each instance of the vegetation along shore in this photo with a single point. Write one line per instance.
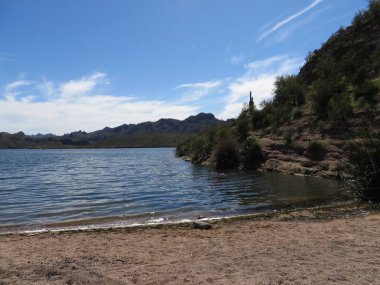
(324, 121)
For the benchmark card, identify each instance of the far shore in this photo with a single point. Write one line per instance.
(325, 245)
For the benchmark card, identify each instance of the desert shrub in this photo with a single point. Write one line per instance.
(295, 113)
(201, 148)
(250, 153)
(367, 90)
(242, 128)
(330, 83)
(339, 108)
(320, 97)
(290, 139)
(373, 12)
(358, 20)
(374, 8)
(376, 81)
(364, 167)
(289, 90)
(226, 154)
(181, 150)
(316, 149)
(360, 76)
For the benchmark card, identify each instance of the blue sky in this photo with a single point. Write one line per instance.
(71, 65)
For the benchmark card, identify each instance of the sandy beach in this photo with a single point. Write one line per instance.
(295, 248)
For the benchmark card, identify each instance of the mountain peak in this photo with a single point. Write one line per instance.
(201, 116)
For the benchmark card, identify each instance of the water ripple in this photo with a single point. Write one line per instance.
(45, 186)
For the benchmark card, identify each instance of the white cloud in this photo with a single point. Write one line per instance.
(258, 78)
(196, 91)
(82, 104)
(82, 86)
(77, 104)
(287, 20)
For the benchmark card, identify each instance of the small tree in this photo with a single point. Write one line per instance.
(226, 154)
(250, 153)
(339, 108)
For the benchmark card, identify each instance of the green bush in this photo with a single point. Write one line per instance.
(339, 108)
(289, 90)
(364, 167)
(368, 91)
(290, 139)
(330, 83)
(250, 153)
(295, 113)
(373, 12)
(226, 154)
(181, 150)
(201, 149)
(242, 128)
(316, 150)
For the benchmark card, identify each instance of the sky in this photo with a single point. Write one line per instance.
(70, 65)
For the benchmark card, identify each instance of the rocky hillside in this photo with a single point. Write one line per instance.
(163, 133)
(307, 125)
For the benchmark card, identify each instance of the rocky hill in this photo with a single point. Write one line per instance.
(163, 133)
(307, 126)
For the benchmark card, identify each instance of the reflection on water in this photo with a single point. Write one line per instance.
(44, 186)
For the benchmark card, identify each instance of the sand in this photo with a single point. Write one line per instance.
(282, 250)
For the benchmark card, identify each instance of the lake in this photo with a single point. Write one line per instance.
(96, 185)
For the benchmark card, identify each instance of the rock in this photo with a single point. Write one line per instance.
(202, 225)
(308, 163)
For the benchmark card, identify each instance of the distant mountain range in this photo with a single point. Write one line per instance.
(163, 133)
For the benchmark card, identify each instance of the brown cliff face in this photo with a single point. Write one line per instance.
(288, 149)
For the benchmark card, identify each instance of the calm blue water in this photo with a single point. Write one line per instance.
(49, 186)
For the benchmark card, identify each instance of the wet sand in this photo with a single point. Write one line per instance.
(288, 248)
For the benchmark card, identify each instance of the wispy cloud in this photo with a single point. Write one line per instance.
(11, 90)
(259, 78)
(236, 59)
(82, 86)
(46, 87)
(287, 20)
(18, 83)
(78, 104)
(196, 91)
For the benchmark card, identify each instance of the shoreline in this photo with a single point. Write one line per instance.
(310, 246)
(326, 211)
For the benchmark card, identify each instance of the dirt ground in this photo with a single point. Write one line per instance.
(338, 251)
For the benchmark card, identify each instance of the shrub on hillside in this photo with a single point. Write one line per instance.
(242, 128)
(289, 90)
(290, 139)
(226, 154)
(330, 83)
(373, 12)
(339, 108)
(367, 91)
(316, 150)
(364, 167)
(250, 153)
